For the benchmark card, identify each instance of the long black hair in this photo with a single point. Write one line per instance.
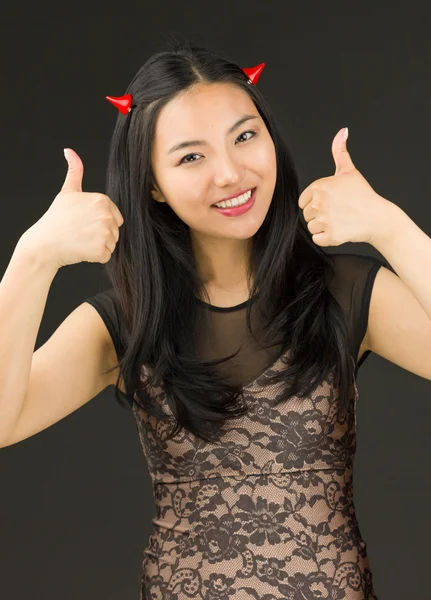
(155, 277)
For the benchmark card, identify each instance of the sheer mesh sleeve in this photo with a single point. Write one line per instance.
(352, 286)
(106, 305)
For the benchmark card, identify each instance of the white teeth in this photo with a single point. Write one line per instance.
(235, 201)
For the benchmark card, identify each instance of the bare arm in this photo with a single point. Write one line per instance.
(67, 371)
(23, 293)
(39, 388)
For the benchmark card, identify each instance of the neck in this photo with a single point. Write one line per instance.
(223, 264)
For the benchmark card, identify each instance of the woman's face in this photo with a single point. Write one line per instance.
(192, 178)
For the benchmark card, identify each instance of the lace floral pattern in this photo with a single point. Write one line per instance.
(266, 513)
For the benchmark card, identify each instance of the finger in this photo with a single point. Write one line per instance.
(75, 172)
(305, 197)
(111, 244)
(117, 214)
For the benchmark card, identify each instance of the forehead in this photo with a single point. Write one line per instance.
(199, 110)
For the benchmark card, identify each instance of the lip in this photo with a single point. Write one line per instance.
(236, 211)
(233, 196)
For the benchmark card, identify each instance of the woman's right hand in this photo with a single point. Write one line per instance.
(78, 226)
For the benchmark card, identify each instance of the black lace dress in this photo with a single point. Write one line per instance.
(267, 513)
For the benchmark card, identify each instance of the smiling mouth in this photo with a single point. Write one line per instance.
(231, 199)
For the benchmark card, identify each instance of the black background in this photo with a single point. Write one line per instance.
(76, 500)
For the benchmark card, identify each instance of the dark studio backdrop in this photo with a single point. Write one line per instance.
(75, 500)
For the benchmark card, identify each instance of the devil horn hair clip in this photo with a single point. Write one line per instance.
(123, 103)
(254, 73)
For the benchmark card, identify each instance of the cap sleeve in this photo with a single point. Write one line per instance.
(352, 285)
(106, 304)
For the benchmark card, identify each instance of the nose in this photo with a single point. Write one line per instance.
(229, 172)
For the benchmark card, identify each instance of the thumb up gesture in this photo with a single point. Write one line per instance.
(78, 226)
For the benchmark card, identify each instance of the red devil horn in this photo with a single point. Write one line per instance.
(254, 73)
(121, 102)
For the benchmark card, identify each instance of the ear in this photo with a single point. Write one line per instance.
(156, 195)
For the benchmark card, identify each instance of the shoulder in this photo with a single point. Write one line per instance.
(350, 264)
(352, 273)
(107, 305)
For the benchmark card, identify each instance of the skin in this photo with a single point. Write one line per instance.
(221, 167)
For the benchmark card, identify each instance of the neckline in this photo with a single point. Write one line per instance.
(227, 308)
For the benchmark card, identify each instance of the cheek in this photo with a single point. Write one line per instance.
(185, 186)
(264, 160)
(182, 195)
(187, 206)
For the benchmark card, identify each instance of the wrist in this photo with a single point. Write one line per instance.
(388, 222)
(33, 252)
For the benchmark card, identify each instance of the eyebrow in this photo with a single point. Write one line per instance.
(202, 142)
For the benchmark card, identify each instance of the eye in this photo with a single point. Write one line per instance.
(184, 161)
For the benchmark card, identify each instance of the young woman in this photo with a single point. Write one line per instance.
(254, 492)
(234, 338)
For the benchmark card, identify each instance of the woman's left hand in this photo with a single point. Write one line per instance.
(343, 208)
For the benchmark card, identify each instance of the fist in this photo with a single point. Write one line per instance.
(78, 226)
